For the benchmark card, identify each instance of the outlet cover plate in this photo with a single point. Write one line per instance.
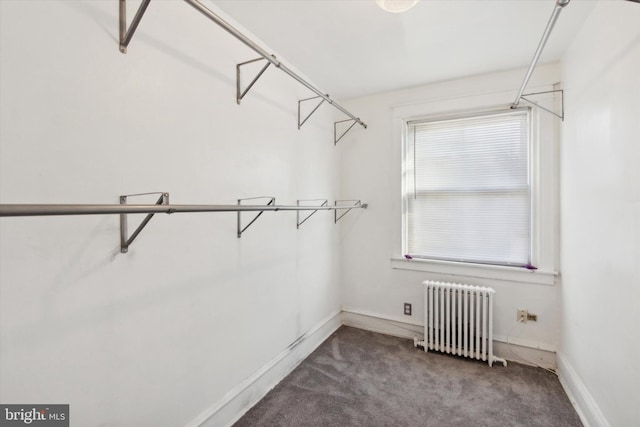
(522, 315)
(407, 309)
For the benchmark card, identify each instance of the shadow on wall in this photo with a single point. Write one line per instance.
(72, 276)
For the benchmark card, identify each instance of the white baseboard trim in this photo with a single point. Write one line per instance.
(375, 322)
(521, 351)
(522, 342)
(579, 395)
(247, 393)
(533, 356)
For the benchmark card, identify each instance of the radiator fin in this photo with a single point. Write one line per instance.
(458, 320)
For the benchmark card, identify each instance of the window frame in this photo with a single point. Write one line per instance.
(544, 146)
(530, 181)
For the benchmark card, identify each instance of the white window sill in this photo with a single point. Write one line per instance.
(513, 274)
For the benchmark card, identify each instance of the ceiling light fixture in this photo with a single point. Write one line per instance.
(396, 6)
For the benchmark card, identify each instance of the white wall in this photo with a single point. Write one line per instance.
(601, 216)
(375, 285)
(163, 333)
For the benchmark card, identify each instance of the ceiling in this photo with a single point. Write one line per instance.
(352, 48)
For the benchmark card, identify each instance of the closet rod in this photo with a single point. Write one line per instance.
(51, 209)
(560, 4)
(272, 59)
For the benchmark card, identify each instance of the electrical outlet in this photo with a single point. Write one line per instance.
(522, 315)
(532, 317)
(407, 309)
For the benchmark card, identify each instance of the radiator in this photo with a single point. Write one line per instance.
(458, 320)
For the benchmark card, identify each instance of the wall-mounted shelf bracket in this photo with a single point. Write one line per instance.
(298, 222)
(272, 201)
(239, 92)
(300, 123)
(127, 34)
(353, 203)
(337, 138)
(125, 241)
(560, 116)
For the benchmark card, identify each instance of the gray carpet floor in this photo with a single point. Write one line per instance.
(361, 378)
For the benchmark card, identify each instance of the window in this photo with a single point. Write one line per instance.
(467, 191)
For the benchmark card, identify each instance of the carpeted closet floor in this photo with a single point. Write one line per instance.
(361, 378)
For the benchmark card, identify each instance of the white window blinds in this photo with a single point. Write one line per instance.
(467, 192)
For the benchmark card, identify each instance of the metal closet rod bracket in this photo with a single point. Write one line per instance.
(125, 241)
(126, 35)
(272, 201)
(560, 5)
(560, 116)
(356, 203)
(298, 222)
(239, 92)
(300, 123)
(337, 138)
